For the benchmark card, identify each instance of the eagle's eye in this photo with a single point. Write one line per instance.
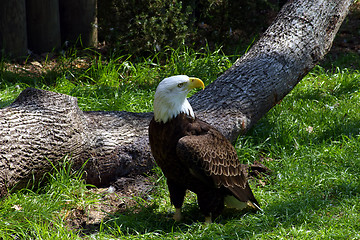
(180, 85)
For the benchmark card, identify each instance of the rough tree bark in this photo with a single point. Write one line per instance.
(43, 126)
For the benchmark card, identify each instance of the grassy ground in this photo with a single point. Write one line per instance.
(310, 141)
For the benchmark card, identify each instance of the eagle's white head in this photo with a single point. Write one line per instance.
(170, 97)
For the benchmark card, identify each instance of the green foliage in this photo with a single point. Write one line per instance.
(140, 27)
(146, 25)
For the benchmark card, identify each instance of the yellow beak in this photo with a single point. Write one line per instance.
(195, 83)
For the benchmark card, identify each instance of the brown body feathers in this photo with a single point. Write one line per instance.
(194, 155)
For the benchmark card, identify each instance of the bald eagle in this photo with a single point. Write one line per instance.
(193, 155)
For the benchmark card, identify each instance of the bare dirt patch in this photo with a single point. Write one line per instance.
(117, 198)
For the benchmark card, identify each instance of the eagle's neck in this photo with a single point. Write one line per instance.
(167, 110)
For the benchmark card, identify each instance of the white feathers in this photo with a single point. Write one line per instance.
(170, 97)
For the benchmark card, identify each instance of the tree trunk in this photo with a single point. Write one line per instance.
(79, 21)
(299, 37)
(42, 126)
(13, 38)
(43, 25)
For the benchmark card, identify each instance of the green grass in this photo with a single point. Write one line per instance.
(116, 83)
(41, 213)
(310, 141)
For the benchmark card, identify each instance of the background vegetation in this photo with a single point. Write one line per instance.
(149, 26)
(310, 141)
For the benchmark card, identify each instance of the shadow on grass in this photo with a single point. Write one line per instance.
(15, 82)
(142, 220)
(5, 103)
(135, 221)
(299, 209)
(32, 79)
(349, 60)
(323, 94)
(335, 123)
(289, 213)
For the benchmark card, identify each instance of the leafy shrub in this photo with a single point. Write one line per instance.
(145, 25)
(151, 25)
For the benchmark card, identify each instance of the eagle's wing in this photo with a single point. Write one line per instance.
(211, 154)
